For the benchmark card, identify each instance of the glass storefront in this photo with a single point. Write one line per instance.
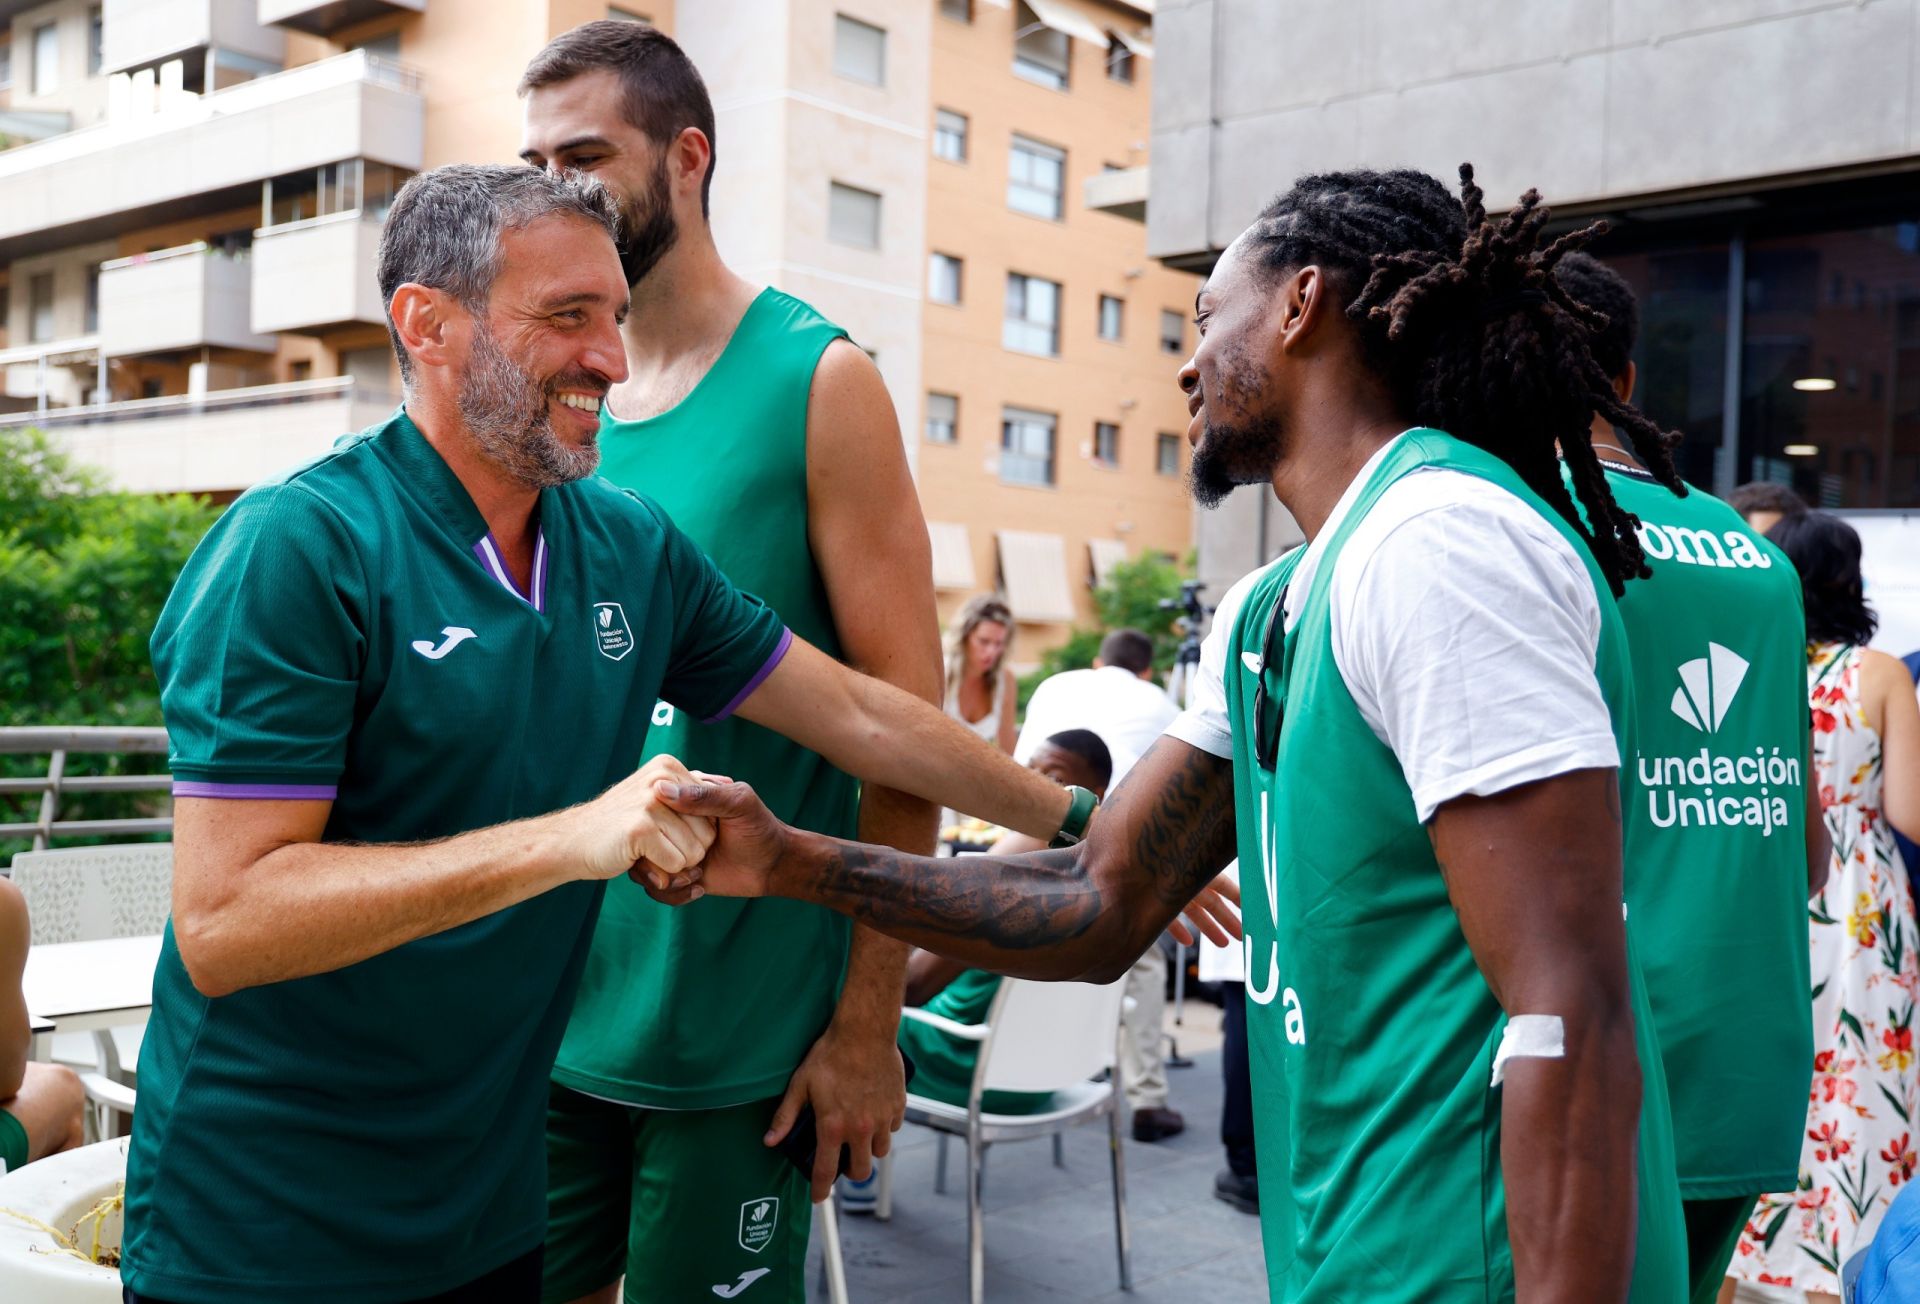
(1818, 351)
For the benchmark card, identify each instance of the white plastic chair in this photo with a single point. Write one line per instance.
(89, 894)
(1051, 1037)
(832, 1265)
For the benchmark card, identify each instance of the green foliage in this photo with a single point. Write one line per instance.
(1130, 599)
(83, 575)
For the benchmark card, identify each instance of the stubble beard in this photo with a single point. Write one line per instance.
(507, 411)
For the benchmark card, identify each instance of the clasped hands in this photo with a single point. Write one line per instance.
(682, 835)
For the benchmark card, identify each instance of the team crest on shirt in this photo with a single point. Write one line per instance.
(611, 633)
(758, 1218)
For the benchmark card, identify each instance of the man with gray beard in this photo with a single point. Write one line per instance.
(406, 685)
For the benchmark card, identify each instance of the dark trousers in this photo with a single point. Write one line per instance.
(1236, 1109)
(517, 1282)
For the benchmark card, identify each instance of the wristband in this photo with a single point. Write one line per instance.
(1079, 814)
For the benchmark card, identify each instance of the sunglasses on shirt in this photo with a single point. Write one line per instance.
(1268, 710)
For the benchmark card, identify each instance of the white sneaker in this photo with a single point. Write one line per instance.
(858, 1198)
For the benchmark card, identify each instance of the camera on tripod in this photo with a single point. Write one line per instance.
(1192, 611)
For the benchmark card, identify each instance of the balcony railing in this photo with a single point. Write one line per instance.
(317, 274)
(46, 792)
(204, 153)
(143, 33)
(188, 297)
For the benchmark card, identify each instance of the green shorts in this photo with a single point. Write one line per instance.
(13, 1143)
(1713, 1233)
(689, 1204)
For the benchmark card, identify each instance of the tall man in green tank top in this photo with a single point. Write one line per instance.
(769, 438)
(1727, 842)
(1419, 721)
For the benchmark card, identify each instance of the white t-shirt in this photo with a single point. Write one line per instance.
(1128, 713)
(1465, 628)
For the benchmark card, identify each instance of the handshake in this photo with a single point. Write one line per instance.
(680, 834)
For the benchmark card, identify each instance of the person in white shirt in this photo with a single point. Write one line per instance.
(1119, 700)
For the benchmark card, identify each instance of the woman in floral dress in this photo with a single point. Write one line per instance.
(1863, 1115)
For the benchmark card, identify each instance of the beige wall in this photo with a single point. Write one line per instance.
(75, 93)
(1130, 383)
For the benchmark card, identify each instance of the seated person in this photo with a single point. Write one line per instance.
(943, 1063)
(40, 1104)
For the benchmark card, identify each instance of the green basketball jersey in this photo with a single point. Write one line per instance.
(346, 633)
(1716, 862)
(1372, 1033)
(715, 1004)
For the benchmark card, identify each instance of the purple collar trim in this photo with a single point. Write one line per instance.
(488, 552)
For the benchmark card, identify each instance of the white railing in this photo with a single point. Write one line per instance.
(261, 92)
(218, 400)
(57, 744)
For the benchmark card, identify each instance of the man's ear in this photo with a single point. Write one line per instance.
(690, 158)
(431, 326)
(1302, 302)
(1623, 383)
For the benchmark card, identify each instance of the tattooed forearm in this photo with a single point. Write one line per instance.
(1084, 912)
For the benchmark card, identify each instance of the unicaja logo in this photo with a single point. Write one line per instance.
(606, 617)
(1707, 688)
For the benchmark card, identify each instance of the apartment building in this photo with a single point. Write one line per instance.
(191, 194)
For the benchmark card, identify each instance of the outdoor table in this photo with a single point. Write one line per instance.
(87, 986)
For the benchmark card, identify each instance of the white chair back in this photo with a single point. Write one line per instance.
(1047, 1036)
(87, 894)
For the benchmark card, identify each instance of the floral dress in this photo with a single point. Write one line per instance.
(1859, 1148)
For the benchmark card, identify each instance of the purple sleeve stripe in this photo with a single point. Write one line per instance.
(256, 791)
(759, 678)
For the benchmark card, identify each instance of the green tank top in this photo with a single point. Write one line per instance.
(1371, 1031)
(1716, 862)
(715, 1004)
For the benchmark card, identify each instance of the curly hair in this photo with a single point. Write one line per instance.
(1463, 318)
(1826, 552)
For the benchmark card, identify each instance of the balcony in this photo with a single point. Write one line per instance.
(318, 274)
(218, 442)
(145, 33)
(191, 297)
(1120, 191)
(323, 17)
(207, 154)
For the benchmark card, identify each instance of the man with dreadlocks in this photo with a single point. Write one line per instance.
(1724, 842)
(1419, 719)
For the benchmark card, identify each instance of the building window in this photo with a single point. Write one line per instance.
(1036, 178)
(943, 418)
(859, 50)
(300, 369)
(620, 15)
(1111, 310)
(6, 59)
(1119, 60)
(1033, 315)
(943, 278)
(1040, 53)
(354, 185)
(950, 136)
(46, 59)
(93, 299)
(1166, 454)
(853, 216)
(96, 39)
(1106, 443)
(1026, 446)
(961, 11)
(39, 307)
(1173, 331)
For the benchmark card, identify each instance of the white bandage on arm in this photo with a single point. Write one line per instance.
(1529, 1036)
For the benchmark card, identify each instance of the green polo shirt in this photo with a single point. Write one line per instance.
(348, 633)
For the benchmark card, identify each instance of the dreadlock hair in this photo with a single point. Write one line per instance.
(1591, 282)
(1463, 318)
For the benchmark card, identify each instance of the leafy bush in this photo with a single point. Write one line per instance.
(1130, 599)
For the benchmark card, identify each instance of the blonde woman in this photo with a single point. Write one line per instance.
(980, 689)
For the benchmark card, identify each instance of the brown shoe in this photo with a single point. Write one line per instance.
(1157, 1124)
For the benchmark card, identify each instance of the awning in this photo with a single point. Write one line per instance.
(1061, 16)
(1033, 573)
(952, 555)
(1105, 554)
(1138, 42)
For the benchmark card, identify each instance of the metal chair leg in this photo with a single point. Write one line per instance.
(940, 1164)
(976, 1222)
(883, 1198)
(1123, 1238)
(832, 1265)
(1059, 1149)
